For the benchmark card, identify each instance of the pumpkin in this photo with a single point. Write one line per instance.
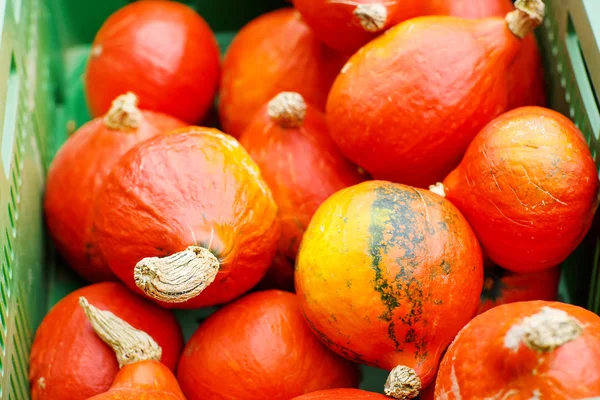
(142, 375)
(260, 347)
(161, 50)
(380, 269)
(406, 106)
(502, 287)
(278, 50)
(69, 362)
(341, 394)
(79, 169)
(289, 140)
(527, 183)
(525, 350)
(186, 219)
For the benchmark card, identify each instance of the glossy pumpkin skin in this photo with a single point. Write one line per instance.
(382, 263)
(260, 347)
(567, 372)
(342, 394)
(403, 114)
(278, 50)
(527, 183)
(501, 286)
(74, 178)
(303, 167)
(195, 186)
(68, 361)
(161, 50)
(144, 380)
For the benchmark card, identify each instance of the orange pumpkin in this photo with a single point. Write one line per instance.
(260, 347)
(379, 266)
(186, 219)
(78, 171)
(280, 53)
(342, 394)
(161, 50)
(406, 106)
(290, 142)
(69, 362)
(527, 183)
(526, 350)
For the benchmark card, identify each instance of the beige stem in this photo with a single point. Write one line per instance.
(402, 383)
(550, 329)
(438, 189)
(287, 109)
(372, 17)
(528, 15)
(123, 113)
(129, 344)
(178, 277)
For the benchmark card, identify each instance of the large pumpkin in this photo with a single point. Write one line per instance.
(527, 350)
(342, 394)
(289, 140)
(260, 347)
(78, 170)
(381, 269)
(527, 183)
(186, 219)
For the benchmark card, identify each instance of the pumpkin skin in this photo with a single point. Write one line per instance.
(517, 358)
(263, 346)
(161, 50)
(302, 166)
(195, 186)
(68, 360)
(278, 50)
(527, 183)
(379, 265)
(342, 394)
(75, 176)
(411, 121)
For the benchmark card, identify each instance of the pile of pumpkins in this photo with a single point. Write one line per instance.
(379, 159)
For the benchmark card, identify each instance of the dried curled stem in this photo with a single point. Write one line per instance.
(287, 109)
(402, 383)
(178, 277)
(372, 17)
(438, 189)
(129, 344)
(124, 113)
(527, 16)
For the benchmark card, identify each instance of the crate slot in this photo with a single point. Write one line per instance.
(10, 118)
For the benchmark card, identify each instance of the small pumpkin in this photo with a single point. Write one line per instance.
(187, 220)
(260, 347)
(289, 140)
(278, 50)
(527, 183)
(533, 349)
(406, 106)
(142, 375)
(342, 394)
(69, 362)
(379, 266)
(161, 50)
(78, 170)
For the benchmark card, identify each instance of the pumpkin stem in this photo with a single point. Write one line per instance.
(124, 113)
(178, 277)
(527, 16)
(544, 331)
(438, 189)
(372, 16)
(402, 383)
(129, 344)
(287, 109)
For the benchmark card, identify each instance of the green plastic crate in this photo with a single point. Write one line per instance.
(43, 50)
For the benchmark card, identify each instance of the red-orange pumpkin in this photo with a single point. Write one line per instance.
(290, 142)
(406, 106)
(79, 169)
(260, 347)
(185, 212)
(69, 362)
(161, 50)
(342, 394)
(274, 53)
(527, 350)
(529, 188)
